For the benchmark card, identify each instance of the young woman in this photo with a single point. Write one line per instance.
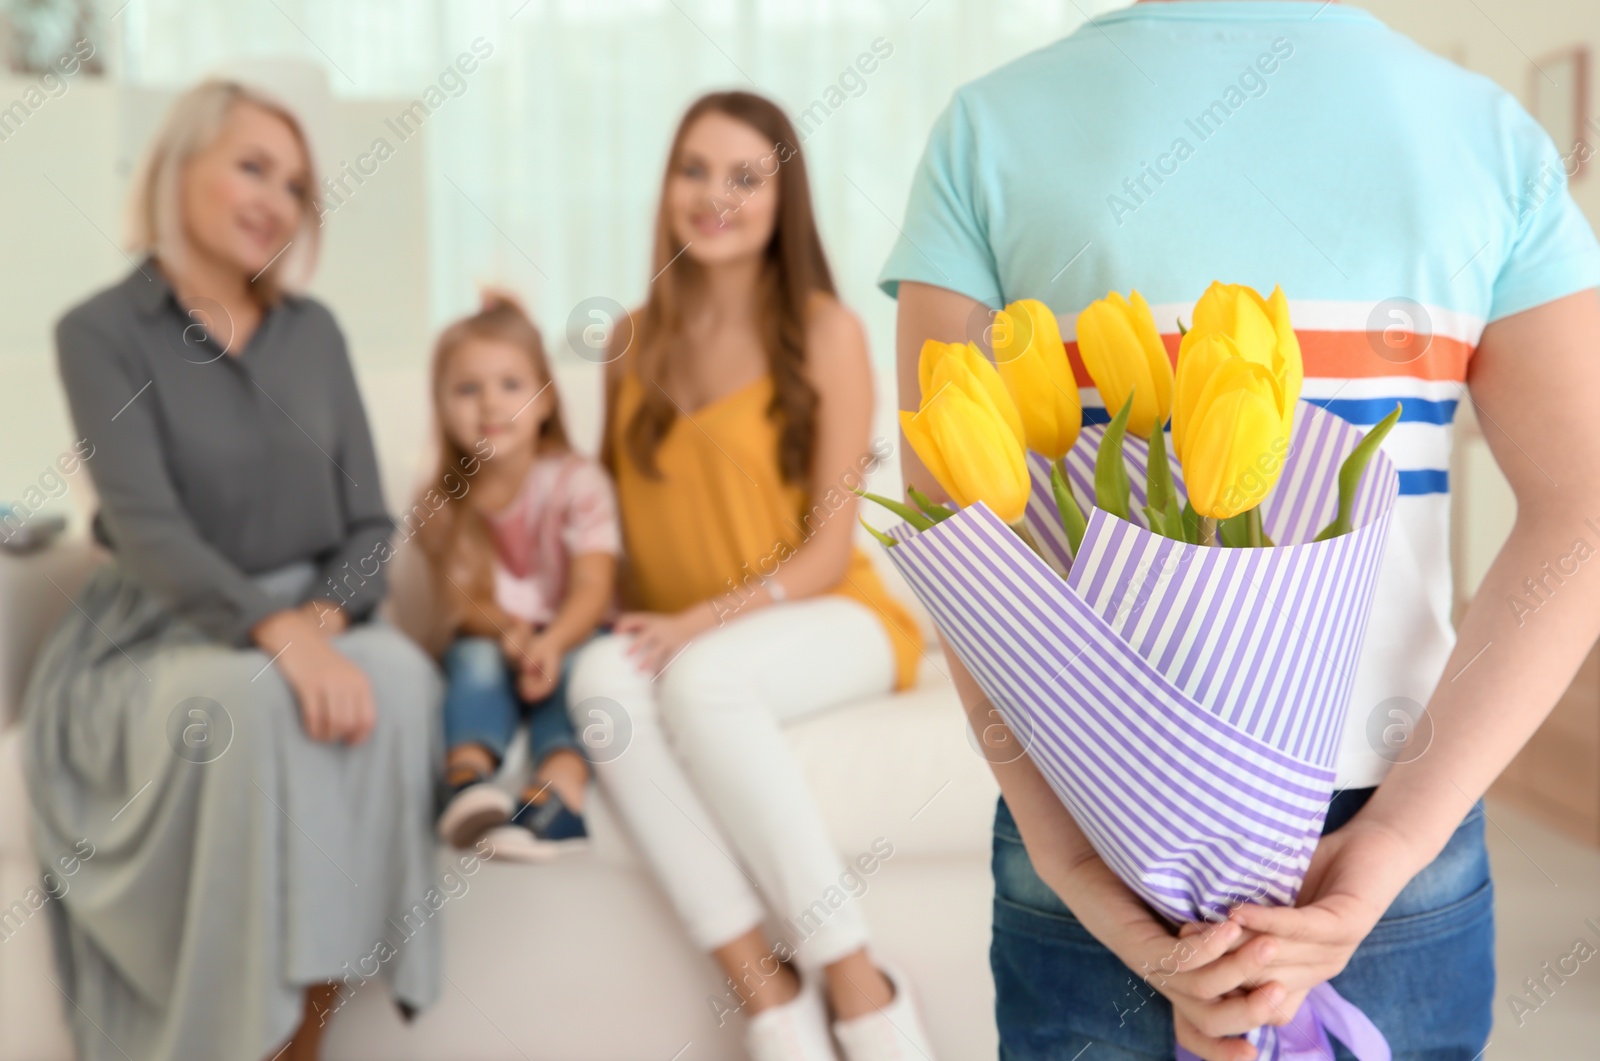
(247, 751)
(738, 406)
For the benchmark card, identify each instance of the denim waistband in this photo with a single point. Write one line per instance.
(1344, 805)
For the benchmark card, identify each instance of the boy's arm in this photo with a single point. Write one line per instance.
(1533, 379)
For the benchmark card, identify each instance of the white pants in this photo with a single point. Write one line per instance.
(722, 812)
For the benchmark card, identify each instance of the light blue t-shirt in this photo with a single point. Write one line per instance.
(1401, 202)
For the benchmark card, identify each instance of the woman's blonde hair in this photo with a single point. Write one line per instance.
(192, 125)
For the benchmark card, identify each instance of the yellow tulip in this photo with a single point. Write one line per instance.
(1235, 432)
(964, 437)
(1032, 362)
(1260, 329)
(1122, 350)
(941, 362)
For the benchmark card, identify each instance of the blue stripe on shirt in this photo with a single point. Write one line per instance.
(1360, 411)
(1414, 481)
(1367, 411)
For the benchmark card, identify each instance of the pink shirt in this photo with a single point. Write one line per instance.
(566, 508)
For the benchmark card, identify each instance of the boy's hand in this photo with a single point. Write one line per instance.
(1351, 882)
(539, 668)
(1211, 973)
(1216, 986)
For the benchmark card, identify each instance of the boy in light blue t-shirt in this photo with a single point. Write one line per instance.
(1419, 222)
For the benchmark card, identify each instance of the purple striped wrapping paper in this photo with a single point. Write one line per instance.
(1184, 702)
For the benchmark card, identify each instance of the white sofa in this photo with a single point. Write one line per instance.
(584, 959)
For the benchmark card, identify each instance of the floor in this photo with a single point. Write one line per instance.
(1547, 900)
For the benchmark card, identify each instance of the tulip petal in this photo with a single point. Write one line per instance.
(917, 427)
(1160, 364)
(980, 371)
(1109, 344)
(1198, 360)
(1235, 445)
(1032, 362)
(1289, 367)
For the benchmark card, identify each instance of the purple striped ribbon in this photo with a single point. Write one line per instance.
(1185, 703)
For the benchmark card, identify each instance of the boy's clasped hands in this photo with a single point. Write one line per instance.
(1227, 978)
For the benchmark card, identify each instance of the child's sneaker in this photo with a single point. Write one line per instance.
(542, 829)
(473, 807)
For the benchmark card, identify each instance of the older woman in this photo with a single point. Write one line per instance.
(246, 751)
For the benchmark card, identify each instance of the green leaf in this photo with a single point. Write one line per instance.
(1072, 518)
(1191, 524)
(883, 539)
(1350, 473)
(1111, 488)
(930, 508)
(1161, 495)
(1182, 331)
(901, 509)
(1157, 520)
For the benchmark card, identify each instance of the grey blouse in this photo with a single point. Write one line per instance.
(213, 467)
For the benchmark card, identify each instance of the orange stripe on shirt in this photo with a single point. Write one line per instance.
(1351, 355)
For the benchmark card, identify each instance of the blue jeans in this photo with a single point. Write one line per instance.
(481, 704)
(1425, 976)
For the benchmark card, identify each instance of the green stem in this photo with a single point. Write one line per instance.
(1252, 526)
(1027, 537)
(1208, 530)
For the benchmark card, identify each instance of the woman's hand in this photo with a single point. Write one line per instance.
(1351, 882)
(658, 638)
(331, 619)
(334, 694)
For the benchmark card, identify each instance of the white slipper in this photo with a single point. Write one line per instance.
(795, 1031)
(513, 843)
(893, 1033)
(472, 812)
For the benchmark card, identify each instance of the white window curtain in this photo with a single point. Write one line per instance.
(544, 172)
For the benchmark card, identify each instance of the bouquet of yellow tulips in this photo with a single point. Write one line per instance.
(1178, 655)
(1231, 404)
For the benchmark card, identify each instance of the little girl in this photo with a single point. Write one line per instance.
(523, 552)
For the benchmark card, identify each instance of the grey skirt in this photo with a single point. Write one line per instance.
(223, 859)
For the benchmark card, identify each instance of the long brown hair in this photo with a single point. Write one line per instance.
(795, 270)
(454, 535)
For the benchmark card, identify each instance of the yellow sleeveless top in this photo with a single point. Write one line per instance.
(721, 515)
